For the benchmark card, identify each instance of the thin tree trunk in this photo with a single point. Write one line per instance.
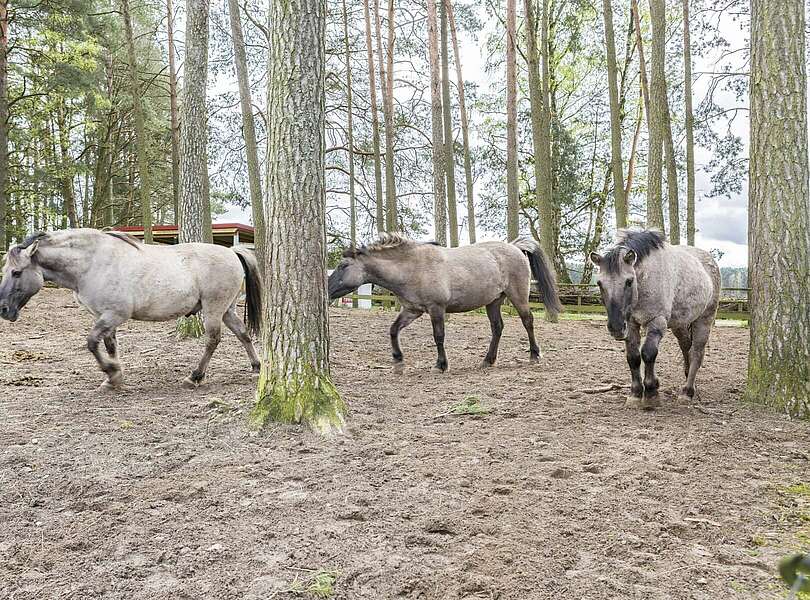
(549, 235)
(349, 129)
(655, 161)
(672, 179)
(195, 203)
(779, 210)
(174, 120)
(631, 165)
(690, 124)
(140, 127)
(387, 86)
(375, 122)
(248, 128)
(68, 193)
(512, 192)
(295, 385)
(449, 158)
(439, 198)
(4, 118)
(619, 199)
(464, 126)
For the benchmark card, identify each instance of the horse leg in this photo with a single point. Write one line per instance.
(700, 337)
(684, 336)
(104, 329)
(234, 323)
(649, 352)
(496, 325)
(404, 318)
(213, 335)
(633, 354)
(111, 344)
(528, 322)
(437, 320)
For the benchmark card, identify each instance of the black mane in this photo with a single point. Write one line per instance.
(641, 241)
(27, 242)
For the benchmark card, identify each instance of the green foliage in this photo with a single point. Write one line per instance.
(189, 327)
(321, 584)
(470, 405)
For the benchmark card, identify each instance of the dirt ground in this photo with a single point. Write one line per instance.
(558, 492)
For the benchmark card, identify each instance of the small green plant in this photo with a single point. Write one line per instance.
(471, 405)
(321, 584)
(189, 327)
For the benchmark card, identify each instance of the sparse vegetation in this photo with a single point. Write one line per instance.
(470, 405)
(320, 584)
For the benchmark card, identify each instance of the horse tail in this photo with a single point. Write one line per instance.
(253, 290)
(542, 272)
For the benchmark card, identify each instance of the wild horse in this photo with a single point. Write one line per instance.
(645, 282)
(428, 278)
(118, 278)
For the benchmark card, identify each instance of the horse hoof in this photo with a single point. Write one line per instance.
(109, 388)
(256, 368)
(642, 403)
(189, 384)
(438, 369)
(485, 364)
(534, 360)
(398, 368)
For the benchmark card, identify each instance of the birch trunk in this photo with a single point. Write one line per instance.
(512, 192)
(779, 210)
(375, 123)
(439, 198)
(449, 158)
(295, 385)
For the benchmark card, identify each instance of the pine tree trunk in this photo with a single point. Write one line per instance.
(174, 119)
(464, 126)
(195, 203)
(449, 158)
(690, 125)
(631, 164)
(655, 119)
(68, 193)
(4, 241)
(295, 384)
(512, 192)
(672, 177)
(779, 210)
(349, 129)
(439, 198)
(549, 235)
(140, 126)
(375, 123)
(387, 85)
(619, 200)
(248, 128)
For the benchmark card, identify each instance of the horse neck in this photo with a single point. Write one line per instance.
(390, 272)
(64, 264)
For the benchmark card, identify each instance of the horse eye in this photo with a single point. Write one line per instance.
(628, 283)
(16, 273)
(599, 283)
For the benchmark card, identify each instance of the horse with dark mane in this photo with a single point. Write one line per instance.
(427, 278)
(118, 278)
(647, 283)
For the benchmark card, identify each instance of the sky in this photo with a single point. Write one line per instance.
(721, 223)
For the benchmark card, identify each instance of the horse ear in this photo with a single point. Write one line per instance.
(595, 258)
(630, 258)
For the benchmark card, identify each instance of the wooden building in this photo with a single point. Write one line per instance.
(225, 234)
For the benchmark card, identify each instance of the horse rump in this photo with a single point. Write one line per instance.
(542, 272)
(253, 290)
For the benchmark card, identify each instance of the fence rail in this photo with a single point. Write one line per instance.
(576, 298)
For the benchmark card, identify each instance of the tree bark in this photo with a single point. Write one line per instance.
(375, 122)
(619, 199)
(173, 112)
(195, 203)
(387, 85)
(4, 118)
(549, 235)
(349, 129)
(779, 210)
(690, 125)
(439, 198)
(140, 127)
(449, 158)
(464, 126)
(248, 128)
(295, 385)
(512, 192)
(68, 193)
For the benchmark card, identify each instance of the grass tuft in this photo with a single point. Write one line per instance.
(471, 405)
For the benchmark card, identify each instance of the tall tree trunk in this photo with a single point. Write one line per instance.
(4, 117)
(549, 235)
(248, 127)
(779, 210)
(631, 164)
(349, 128)
(66, 178)
(672, 178)
(140, 126)
(540, 137)
(449, 158)
(464, 126)
(295, 384)
(195, 203)
(173, 115)
(619, 199)
(512, 192)
(387, 87)
(439, 198)
(655, 119)
(375, 122)
(690, 124)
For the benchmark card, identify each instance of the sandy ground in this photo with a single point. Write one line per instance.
(556, 493)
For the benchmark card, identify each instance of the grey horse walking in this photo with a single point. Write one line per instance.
(117, 278)
(427, 278)
(645, 282)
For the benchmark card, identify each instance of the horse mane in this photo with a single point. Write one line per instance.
(641, 241)
(125, 237)
(385, 241)
(26, 243)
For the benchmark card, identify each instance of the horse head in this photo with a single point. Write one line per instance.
(22, 277)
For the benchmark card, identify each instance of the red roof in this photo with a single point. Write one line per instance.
(215, 227)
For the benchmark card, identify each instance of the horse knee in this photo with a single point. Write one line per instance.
(634, 359)
(649, 351)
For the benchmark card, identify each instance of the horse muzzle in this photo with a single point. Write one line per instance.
(8, 313)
